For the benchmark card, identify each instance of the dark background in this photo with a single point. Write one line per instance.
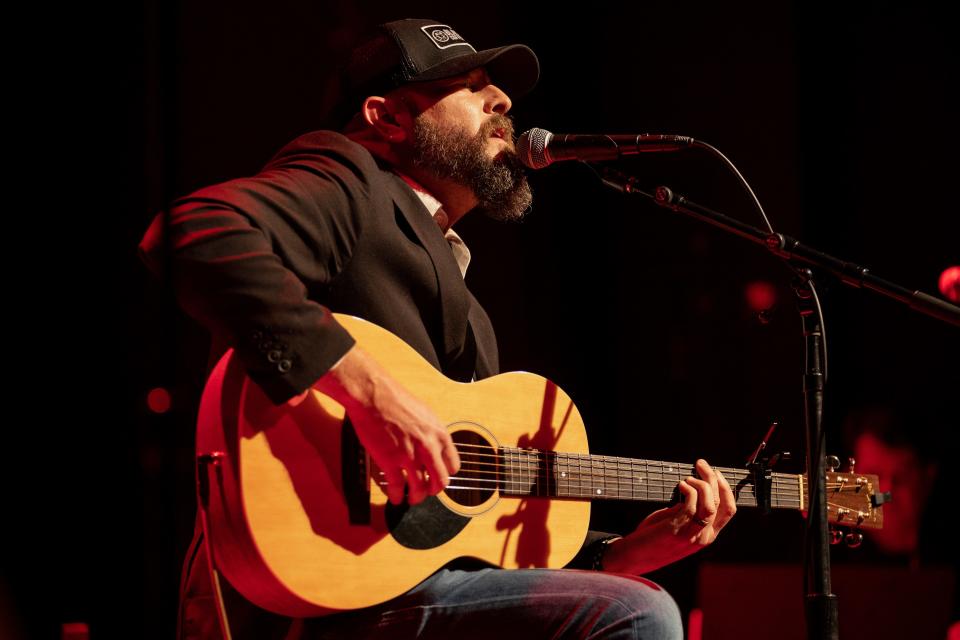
(843, 121)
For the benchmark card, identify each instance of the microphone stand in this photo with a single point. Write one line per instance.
(821, 604)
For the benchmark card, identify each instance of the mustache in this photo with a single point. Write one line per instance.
(498, 121)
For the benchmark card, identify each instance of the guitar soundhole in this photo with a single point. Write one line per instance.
(478, 476)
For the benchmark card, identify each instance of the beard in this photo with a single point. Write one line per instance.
(499, 184)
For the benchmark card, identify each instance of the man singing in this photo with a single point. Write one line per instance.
(361, 222)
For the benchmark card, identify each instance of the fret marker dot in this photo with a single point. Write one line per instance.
(563, 474)
(599, 492)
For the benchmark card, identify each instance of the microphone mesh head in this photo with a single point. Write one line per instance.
(532, 148)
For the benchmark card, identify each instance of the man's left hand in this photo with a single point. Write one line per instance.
(670, 534)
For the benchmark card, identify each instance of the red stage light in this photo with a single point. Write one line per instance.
(950, 284)
(695, 625)
(760, 295)
(158, 400)
(74, 631)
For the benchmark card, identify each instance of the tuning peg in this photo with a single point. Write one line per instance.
(836, 536)
(853, 540)
(851, 463)
(833, 463)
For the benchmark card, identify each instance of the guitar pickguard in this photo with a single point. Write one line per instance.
(423, 526)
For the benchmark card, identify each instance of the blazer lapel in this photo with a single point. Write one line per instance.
(454, 298)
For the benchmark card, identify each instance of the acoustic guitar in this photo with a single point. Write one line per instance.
(299, 524)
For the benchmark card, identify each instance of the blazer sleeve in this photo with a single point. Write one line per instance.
(590, 554)
(247, 258)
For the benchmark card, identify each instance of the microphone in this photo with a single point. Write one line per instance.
(538, 148)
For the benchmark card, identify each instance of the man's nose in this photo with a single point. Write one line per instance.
(496, 100)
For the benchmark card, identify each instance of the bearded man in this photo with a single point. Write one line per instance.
(360, 222)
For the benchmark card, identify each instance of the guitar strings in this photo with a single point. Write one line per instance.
(603, 461)
(784, 487)
(527, 478)
(784, 483)
(615, 474)
(483, 467)
(831, 506)
(541, 484)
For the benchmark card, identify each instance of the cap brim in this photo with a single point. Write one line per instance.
(513, 68)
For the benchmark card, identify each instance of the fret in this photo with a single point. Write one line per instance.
(596, 477)
(508, 477)
(655, 478)
(544, 459)
(540, 464)
(514, 471)
(586, 480)
(525, 472)
(555, 466)
(559, 474)
(596, 490)
(532, 478)
(503, 470)
(550, 468)
(640, 475)
(644, 479)
(521, 484)
(615, 462)
(672, 480)
(536, 469)
(611, 488)
(579, 474)
(527, 476)
(521, 476)
(620, 481)
(605, 477)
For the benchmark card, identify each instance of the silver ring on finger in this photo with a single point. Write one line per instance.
(700, 521)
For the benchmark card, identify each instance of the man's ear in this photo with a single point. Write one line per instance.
(388, 116)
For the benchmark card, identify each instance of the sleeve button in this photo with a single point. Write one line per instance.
(274, 356)
(284, 365)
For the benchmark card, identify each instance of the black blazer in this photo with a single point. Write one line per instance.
(260, 260)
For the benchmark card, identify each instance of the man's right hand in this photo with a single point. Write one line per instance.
(402, 435)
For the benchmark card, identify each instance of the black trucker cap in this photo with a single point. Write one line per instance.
(416, 50)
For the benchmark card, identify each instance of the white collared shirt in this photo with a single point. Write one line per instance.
(460, 251)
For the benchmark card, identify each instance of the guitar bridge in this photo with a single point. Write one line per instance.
(354, 475)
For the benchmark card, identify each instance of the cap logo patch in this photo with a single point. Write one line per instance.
(443, 37)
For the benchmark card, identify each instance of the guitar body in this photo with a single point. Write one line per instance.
(299, 524)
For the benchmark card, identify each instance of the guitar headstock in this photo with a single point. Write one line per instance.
(853, 500)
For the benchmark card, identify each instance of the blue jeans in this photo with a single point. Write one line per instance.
(494, 604)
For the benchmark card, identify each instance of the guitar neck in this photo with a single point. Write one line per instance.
(548, 474)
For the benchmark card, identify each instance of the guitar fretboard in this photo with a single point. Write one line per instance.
(549, 474)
